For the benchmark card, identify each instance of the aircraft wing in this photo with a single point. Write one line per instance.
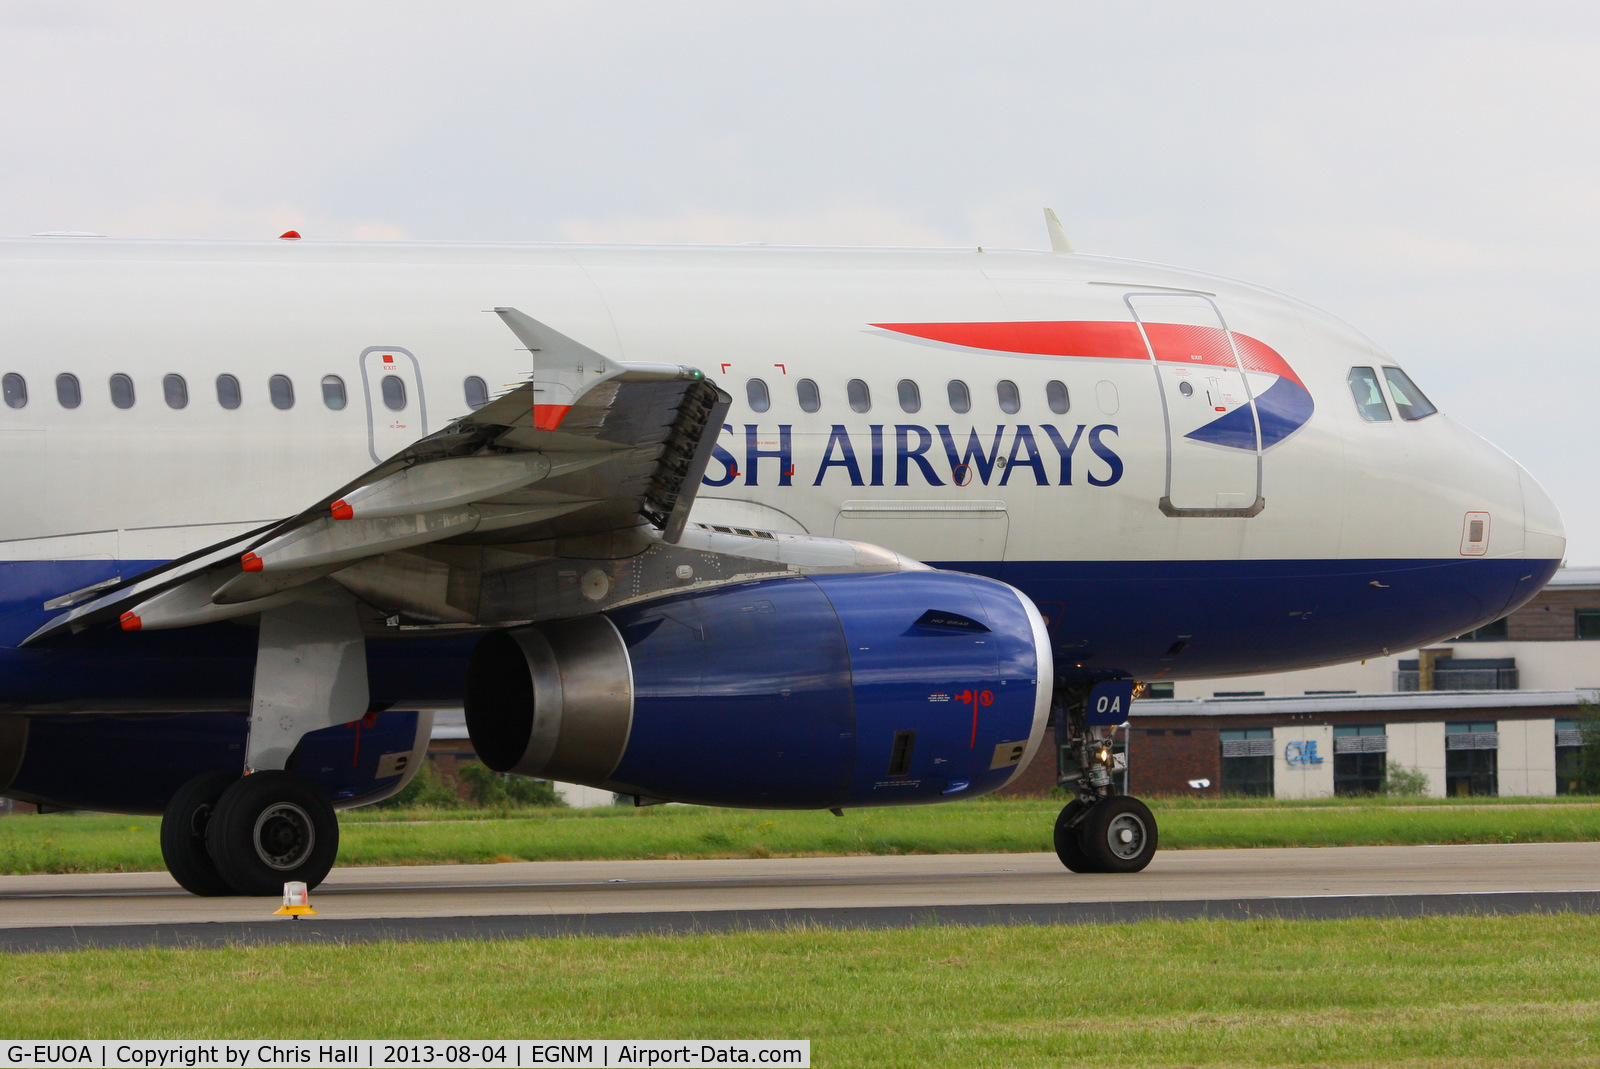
(584, 448)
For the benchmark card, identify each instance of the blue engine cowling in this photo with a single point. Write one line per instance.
(135, 764)
(799, 693)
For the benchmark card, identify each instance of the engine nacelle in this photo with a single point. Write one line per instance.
(795, 693)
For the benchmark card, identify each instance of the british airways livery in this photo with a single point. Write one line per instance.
(788, 528)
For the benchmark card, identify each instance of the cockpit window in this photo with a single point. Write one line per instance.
(1369, 398)
(1409, 400)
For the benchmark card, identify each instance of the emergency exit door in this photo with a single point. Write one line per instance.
(1213, 439)
(397, 414)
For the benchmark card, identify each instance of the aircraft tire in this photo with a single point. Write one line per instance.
(183, 834)
(272, 827)
(1120, 834)
(1069, 844)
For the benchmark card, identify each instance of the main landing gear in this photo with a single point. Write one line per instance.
(223, 834)
(227, 833)
(1099, 830)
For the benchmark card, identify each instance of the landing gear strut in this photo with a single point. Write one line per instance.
(1099, 830)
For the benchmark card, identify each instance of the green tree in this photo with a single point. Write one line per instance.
(1402, 782)
(490, 789)
(427, 790)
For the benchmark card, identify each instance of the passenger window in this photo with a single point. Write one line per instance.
(176, 391)
(1407, 398)
(810, 396)
(393, 389)
(333, 394)
(477, 392)
(755, 391)
(910, 396)
(960, 396)
(67, 391)
(1055, 392)
(860, 396)
(1010, 400)
(228, 391)
(16, 391)
(121, 391)
(1369, 398)
(281, 390)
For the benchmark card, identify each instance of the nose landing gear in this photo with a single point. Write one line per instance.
(1099, 830)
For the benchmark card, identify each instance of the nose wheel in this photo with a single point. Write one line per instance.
(1112, 834)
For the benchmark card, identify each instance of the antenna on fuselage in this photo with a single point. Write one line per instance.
(1058, 237)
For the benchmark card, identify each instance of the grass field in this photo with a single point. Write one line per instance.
(97, 842)
(1442, 991)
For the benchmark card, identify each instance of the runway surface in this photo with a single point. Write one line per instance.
(621, 897)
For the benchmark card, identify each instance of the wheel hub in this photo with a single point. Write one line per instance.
(284, 836)
(1126, 836)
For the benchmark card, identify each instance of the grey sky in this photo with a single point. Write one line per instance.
(1430, 172)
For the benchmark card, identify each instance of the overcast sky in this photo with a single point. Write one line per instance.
(1430, 172)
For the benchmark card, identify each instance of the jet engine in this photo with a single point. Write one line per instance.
(798, 693)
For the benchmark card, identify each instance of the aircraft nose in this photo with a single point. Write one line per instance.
(1544, 535)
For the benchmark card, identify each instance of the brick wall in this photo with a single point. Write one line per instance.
(1164, 760)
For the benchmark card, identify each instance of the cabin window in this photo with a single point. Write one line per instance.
(477, 392)
(1408, 400)
(1369, 398)
(1055, 392)
(228, 395)
(755, 391)
(16, 391)
(393, 388)
(121, 391)
(1010, 399)
(281, 390)
(67, 391)
(176, 391)
(910, 396)
(810, 397)
(860, 397)
(333, 394)
(960, 396)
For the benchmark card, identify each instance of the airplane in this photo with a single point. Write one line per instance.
(803, 528)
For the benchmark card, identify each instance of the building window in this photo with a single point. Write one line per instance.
(228, 391)
(1569, 758)
(281, 390)
(1247, 762)
(176, 391)
(910, 397)
(1055, 392)
(755, 392)
(1360, 752)
(121, 391)
(16, 391)
(1461, 673)
(1587, 623)
(1158, 690)
(1492, 632)
(1239, 694)
(860, 397)
(333, 392)
(476, 392)
(1471, 759)
(809, 396)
